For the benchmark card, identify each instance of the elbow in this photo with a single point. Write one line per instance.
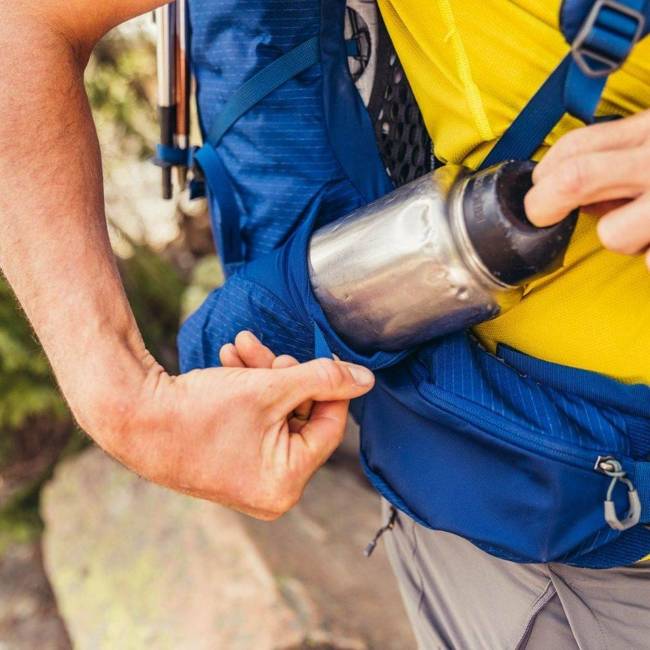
(28, 36)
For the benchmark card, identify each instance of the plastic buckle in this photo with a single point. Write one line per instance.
(585, 56)
(609, 466)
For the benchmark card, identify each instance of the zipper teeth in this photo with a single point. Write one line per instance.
(582, 459)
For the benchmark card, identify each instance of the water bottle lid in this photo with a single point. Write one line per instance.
(511, 248)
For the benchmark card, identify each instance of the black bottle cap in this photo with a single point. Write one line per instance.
(511, 248)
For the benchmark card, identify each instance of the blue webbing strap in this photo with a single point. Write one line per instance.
(246, 97)
(524, 136)
(220, 185)
(600, 47)
(605, 40)
(263, 83)
(167, 156)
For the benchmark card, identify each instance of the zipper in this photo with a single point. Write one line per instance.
(582, 459)
(512, 434)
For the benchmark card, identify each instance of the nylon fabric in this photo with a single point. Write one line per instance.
(514, 455)
(456, 411)
(279, 154)
(248, 95)
(569, 89)
(454, 426)
(594, 312)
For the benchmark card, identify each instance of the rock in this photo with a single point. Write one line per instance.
(345, 600)
(135, 566)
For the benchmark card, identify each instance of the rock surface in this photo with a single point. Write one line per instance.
(134, 566)
(319, 546)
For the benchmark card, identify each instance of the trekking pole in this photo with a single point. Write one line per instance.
(183, 80)
(165, 55)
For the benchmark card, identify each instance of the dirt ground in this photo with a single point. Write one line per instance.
(28, 615)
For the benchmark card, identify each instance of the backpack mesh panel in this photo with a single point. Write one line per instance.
(402, 137)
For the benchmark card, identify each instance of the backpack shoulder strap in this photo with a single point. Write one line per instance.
(601, 35)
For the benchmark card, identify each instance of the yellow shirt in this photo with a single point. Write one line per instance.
(473, 65)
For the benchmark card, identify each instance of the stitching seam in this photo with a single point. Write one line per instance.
(472, 93)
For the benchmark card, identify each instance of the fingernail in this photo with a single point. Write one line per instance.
(362, 376)
(606, 232)
(530, 205)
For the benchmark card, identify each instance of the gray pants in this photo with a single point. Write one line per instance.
(459, 597)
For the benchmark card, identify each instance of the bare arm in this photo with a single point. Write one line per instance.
(220, 434)
(54, 246)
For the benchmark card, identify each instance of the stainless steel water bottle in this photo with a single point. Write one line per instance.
(447, 251)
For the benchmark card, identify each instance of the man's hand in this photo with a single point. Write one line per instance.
(241, 437)
(606, 168)
(219, 434)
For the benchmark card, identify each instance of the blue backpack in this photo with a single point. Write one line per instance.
(531, 461)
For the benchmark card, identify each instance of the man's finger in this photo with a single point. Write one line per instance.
(647, 259)
(252, 351)
(302, 411)
(322, 380)
(229, 357)
(627, 229)
(284, 361)
(604, 207)
(627, 133)
(591, 178)
(325, 429)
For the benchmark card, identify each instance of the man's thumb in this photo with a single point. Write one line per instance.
(323, 380)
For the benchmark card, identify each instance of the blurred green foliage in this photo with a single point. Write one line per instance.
(120, 82)
(155, 290)
(27, 388)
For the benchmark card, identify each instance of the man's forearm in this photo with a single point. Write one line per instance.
(221, 434)
(54, 246)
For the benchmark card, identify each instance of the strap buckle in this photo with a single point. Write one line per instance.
(592, 59)
(609, 466)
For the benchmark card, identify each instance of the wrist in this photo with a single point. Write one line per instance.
(106, 391)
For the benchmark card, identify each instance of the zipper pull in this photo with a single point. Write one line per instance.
(390, 524)
(611, 467)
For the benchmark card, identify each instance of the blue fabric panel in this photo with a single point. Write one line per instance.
(642, 477)
(469, 429)
(242, 305)
(288, 66)
(350, 132)
(279, 154)
(460, 439)
(271, 297)
(245, 303)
